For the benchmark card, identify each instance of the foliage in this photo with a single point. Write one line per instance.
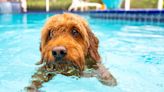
(143, 4)
(64, 4)
(54, 4)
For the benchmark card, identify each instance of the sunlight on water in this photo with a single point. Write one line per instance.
(133, 53)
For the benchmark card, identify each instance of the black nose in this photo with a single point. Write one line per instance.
(59, 52)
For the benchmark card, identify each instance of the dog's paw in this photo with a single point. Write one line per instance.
(31, 89)
(107, 79)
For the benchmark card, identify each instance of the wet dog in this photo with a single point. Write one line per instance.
(69, 47)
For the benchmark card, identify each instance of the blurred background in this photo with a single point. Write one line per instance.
(40, 5)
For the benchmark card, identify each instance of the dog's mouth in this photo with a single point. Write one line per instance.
(68, 68)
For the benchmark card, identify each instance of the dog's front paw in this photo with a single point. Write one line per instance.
(31, 89)
(105, 77)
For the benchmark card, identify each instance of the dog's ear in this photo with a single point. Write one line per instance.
(45, 37)
(93, 46)
(93, 42)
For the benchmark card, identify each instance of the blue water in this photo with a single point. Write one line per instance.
(134, 54)
(113, 4)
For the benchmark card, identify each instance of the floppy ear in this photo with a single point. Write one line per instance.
(45, 36)
(93, 42)
(93, 46)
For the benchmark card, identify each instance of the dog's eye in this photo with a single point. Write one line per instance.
(50, 34)
(75, 33)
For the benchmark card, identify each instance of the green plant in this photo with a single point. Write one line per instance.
(142, 4)
(54, 4)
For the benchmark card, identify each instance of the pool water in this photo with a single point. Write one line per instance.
(134, 54)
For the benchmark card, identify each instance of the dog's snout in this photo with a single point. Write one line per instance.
(59, 52)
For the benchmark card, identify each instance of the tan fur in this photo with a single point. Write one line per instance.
(82, 50)
(60, 27)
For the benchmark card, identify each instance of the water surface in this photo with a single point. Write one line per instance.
(133, 52)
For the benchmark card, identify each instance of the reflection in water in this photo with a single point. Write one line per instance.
(134, 53)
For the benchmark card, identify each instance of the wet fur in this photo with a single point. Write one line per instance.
(82, 50)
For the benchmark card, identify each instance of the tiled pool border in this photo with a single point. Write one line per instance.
(156, 16)
(131, 15)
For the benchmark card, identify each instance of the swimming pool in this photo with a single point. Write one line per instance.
(133, 52)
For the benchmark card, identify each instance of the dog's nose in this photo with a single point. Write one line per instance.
(59, 52)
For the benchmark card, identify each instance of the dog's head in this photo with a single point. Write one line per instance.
(66, 38)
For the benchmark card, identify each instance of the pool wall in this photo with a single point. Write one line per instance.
(131, 15)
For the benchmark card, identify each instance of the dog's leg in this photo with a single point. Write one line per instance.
(104, 76)
(38, 79)
(89, 74)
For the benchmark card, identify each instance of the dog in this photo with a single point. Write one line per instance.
(69, 47)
